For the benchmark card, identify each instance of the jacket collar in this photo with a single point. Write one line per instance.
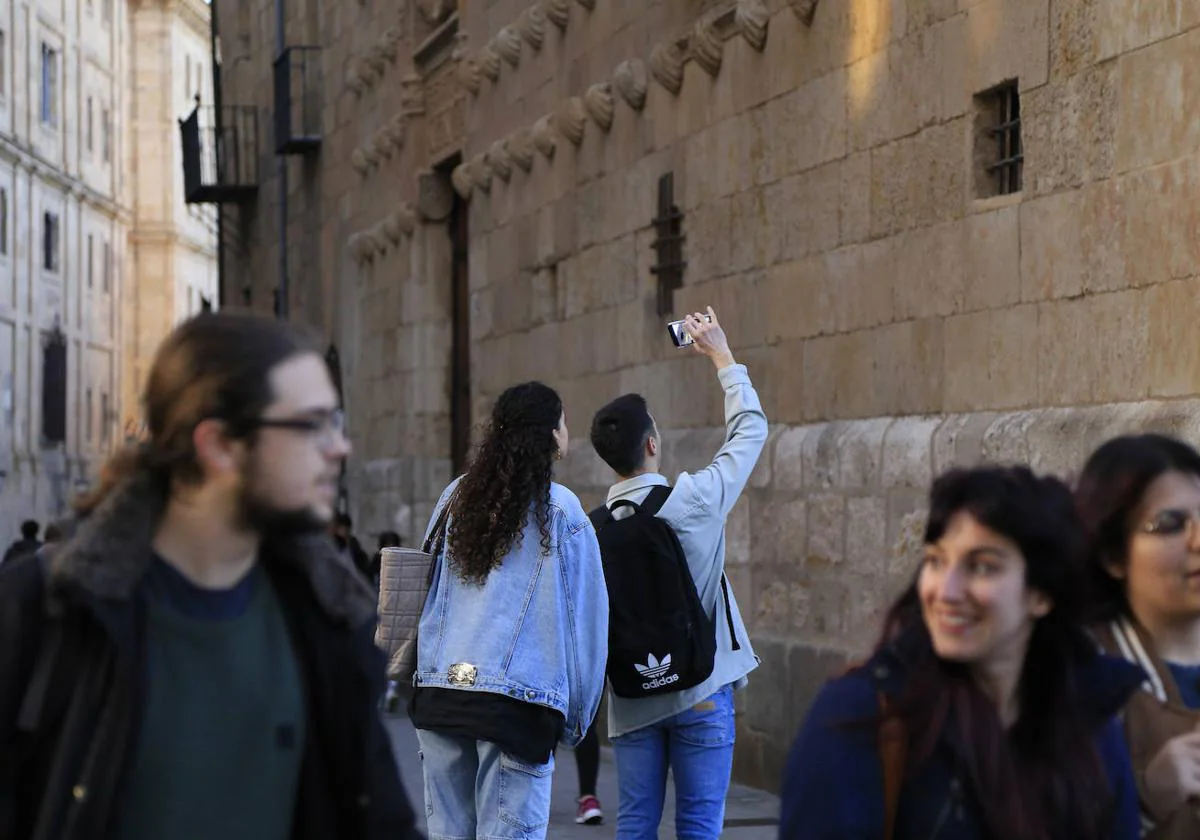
(631, 485)
(109, 552)
(1129, 640)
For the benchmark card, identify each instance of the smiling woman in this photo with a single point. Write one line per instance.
(985, 710)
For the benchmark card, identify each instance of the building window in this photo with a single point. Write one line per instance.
(998, 146)
(3, 64)
(106, 138)
(90, 251)
(90, 127)
(105, 419)
(3, 221)
(50, 236)
(88, 418)
(108, 264)
(107, 10)
(49, 86)
(54, 388)
(187, 77)
(668, 245)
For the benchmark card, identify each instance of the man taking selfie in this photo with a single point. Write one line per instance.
(671, 699)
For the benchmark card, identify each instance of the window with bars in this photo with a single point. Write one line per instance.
(90, 261)
(108, 266)
(91, 136)
(3, 221)
(668, 245)
(105, 419)
(106, 134)
(999, 150)
(89, 419)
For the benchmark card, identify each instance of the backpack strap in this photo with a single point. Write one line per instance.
(600, 517)
(893, 755)
(729, 613)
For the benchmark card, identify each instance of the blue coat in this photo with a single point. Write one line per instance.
(833, 781)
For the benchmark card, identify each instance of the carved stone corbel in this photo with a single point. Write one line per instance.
(500, 161)
(361, 249)
(752, 18)
(401, 222)
(520, 148)
(360, 163)
(587, 4)
(707, 47)
(481, 173)
(599, 104)
(412, 96)
(666, 65)
(508, 45)
(398, 130)
(570, 120)
(806, 10)
(544, 139)
(462, 180)
(630, 80)
(354, 78)
(558, 12)
(489, 62)
(532, 26)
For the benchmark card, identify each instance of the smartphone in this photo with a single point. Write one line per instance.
(679, 334)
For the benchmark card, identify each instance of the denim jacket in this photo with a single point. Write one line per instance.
(536, 630)
(697, 509)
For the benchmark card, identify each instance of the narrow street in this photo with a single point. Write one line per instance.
(750, 814)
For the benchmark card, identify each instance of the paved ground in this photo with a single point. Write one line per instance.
(749, 815)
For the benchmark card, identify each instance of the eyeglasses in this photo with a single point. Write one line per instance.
(1169, 523)
(326, 429)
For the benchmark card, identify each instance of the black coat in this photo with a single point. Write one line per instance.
(67, 732)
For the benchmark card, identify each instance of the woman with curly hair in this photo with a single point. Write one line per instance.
(513, 640)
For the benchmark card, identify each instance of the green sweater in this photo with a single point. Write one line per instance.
(219, 748)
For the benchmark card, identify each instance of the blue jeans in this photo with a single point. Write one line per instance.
(697, 745)
(473, 791)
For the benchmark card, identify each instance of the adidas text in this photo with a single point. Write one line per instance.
(659, 683)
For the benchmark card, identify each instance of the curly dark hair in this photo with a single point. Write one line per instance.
(508, 480)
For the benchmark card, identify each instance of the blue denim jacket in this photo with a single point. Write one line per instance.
(697, 509)
(536, 630)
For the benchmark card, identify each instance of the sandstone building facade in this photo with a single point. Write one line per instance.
(936, 230)
(97, 249)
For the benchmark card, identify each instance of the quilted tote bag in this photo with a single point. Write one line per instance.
(405, 575)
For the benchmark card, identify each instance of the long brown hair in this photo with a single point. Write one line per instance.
(1043, 778)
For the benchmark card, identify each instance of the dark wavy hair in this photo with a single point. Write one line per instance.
(1108, 494)
(507, 481)
(1043, 778)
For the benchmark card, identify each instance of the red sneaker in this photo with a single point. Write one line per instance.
(589, 812)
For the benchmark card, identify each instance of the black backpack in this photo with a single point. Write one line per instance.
(660, 639)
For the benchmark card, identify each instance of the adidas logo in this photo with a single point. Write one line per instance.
(653, 668)
(655, 671)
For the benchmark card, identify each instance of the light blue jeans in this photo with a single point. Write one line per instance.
(697, 745)
(473, 791)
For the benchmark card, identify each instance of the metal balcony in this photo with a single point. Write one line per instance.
(220, 156)
(298, 101)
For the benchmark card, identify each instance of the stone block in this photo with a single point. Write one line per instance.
(1010, 39)
(991, 358)
(1124, 26)
(826, 529)
(907, 371)
(1162, 221)
(796, 300)
(1102, 237)
(958, 442)
(860, 453)
(993, 259)
(1005, 440)
(907, 516)
(779, 532)
(1094, 349)
(908, 452)
(1075, 120)
(1174, 355)
(809, 202)
(869, 27)
(866, 535)
(1159, 87)
(919, 181)
(856, 198)
(861, 280)
(788, 463)
(1052, 257)
(869, 123)
(931, 272)
(812, 118)
(760, 478)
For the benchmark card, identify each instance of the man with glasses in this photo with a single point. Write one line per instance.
(196, 660)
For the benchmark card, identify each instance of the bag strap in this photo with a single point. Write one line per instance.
(729, 613)
(437, 535)
(893, 755)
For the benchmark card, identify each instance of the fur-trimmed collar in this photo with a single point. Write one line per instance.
(109, 552)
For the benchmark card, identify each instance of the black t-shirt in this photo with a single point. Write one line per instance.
(527, 731)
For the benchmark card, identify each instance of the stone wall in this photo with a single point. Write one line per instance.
(828, 162)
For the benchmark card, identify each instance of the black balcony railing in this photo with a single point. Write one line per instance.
(298, 101)
(220, 157)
